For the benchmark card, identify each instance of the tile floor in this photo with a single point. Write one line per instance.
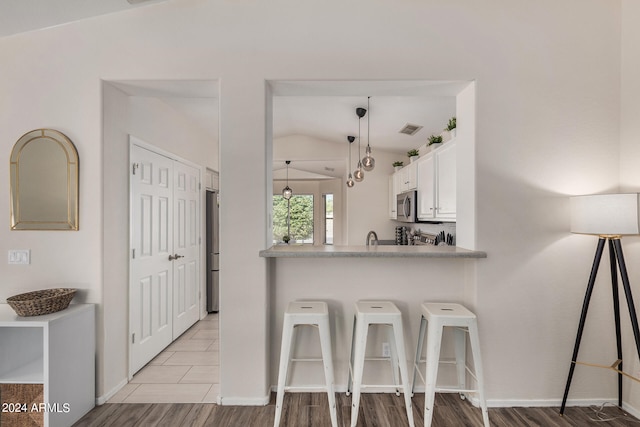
(187, 371)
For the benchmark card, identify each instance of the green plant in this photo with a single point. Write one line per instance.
(398, 164)
(286, 239)
(435, 139)
(452, 124)
(412, 153)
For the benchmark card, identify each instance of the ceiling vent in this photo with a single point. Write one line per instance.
(410, 129)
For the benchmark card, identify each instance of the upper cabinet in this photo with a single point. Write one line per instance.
(437, 184)
(408, 177)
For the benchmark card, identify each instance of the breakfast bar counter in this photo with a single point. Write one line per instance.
(375, 251)
(343, 275)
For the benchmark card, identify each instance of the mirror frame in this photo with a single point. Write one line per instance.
(72, 171)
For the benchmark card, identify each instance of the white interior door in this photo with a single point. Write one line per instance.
(150, 291)
(165, 260)
(186, 245)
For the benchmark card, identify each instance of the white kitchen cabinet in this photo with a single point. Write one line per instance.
(437, 184)
(426, 187)
(57, 351)
(408, 177)
(211, 179)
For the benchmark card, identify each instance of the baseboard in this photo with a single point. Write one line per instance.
(541, 403)
(244, 401)
(631, 410)
(101, 400)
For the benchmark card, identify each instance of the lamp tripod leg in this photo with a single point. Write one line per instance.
(616, 313)
(583, 317)
(627, 290)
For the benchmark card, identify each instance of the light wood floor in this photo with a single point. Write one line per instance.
(187, 371)
(311, 410)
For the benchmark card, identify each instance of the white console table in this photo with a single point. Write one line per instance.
(56, 350)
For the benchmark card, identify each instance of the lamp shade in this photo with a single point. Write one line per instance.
(605, 214)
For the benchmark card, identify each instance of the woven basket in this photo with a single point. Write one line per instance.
(41, 302)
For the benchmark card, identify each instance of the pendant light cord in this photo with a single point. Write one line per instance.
(368, 120)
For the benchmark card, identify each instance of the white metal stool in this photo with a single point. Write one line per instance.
(377, 313)
(310, 313)
(435, 317)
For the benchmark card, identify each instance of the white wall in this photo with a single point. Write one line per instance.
(630, 177)
(548, 125)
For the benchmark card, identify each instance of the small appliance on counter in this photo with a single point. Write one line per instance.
(440, 239)
(401, 236)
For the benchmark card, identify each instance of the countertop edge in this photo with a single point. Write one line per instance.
(355, 252)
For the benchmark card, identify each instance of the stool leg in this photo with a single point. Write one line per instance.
(362, 328)
(477, 362)
(285, 356)
(416, 363)
(353, 341)
(434, 337)
(394, 361)
(402, 358)
(460, 340)
(327, 361)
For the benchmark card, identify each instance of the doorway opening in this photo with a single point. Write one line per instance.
(179, 118)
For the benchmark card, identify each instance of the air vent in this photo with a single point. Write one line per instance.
(410, 129)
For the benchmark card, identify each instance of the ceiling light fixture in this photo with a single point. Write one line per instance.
(368, 162)
(287, 192)
(358, 175)
(350, 182)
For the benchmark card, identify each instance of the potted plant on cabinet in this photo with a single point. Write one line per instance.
(413, 155)
(435, 141)
(397, 166)
(451, 127)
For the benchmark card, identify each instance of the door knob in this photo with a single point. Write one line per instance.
(176, 256)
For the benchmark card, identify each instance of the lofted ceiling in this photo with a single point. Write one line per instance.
(326, 110)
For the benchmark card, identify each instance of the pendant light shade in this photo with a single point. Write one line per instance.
(350, 182)
(368, 162)
(287, 192)
(358, 174)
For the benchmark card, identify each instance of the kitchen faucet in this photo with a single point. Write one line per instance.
(375, 238)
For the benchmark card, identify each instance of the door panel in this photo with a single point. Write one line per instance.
(151, 241)
(187, 245)
(165, 238)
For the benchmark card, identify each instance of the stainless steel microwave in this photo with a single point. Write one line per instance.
(406, 207)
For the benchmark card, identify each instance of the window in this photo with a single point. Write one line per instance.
(293, 219)
(328, 218)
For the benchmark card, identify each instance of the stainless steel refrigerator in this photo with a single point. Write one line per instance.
(213, 252)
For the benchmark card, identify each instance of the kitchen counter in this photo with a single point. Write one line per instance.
(362, 251)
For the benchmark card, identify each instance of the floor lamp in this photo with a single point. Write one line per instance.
(609, 216)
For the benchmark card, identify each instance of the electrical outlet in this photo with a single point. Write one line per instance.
(386, 350)
(19, 256)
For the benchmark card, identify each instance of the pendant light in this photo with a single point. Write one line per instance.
(358, 175)
(350, 182)
(368, 162)
(287, 192)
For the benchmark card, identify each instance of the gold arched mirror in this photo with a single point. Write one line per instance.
(44, 182)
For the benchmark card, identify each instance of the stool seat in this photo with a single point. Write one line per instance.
(306, 313)
(435, 317)
(382, 313)
(452, 314)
